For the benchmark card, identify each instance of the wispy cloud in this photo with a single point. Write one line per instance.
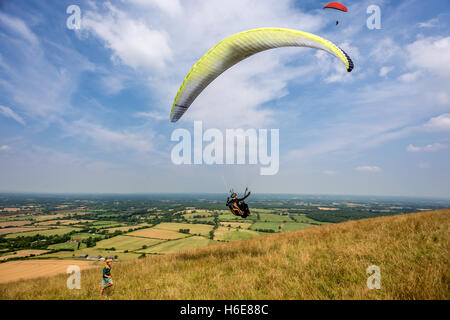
(434, 22)
(368, 169)
(7, 112)
(428, 148)
(110, 140)
(385, 70)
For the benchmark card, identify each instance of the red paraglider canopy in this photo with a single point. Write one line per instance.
(336, 5)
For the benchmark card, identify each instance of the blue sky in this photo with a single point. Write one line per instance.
(88, 110)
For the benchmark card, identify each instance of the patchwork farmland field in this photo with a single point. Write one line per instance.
(202, 229)
(29, 269)
(231, 234)
(127, 242)
(14, 223)
(44, 232)
(18, 231)
(266, 226)
(157, 234)
(22, 253)
(180, 245)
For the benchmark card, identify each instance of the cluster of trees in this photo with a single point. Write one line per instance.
(216, 225)
(33, 242)
(343, 215)
(265, 230)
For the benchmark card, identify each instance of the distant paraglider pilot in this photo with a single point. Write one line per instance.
(237, 205)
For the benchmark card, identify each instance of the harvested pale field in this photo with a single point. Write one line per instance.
(126, 228)
(23, 253)
(13, 223)
(48, 217)
(42, 231)
(17, 230)
(157, 234)
(61, 222)
(30, 269)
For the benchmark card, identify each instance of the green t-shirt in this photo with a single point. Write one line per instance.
(106, 271)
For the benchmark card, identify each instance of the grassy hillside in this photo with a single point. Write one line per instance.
(326, 262)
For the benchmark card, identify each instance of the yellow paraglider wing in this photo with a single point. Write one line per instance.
(238, 47)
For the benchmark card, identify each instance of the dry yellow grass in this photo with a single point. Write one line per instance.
(323, 262)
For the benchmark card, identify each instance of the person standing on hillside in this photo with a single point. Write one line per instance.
(107, 277)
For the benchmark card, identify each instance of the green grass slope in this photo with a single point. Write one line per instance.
(323, 262)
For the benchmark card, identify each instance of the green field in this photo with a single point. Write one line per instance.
(85, 235)
(129, 243)
(295, 226)
(231, 235)
(105, 224)
(49, 232)
(266, 225)
(273, 217)
(236, 225)
(232, 217)
(179, 245)
(303, 218)
(202, 229)
(67, 245)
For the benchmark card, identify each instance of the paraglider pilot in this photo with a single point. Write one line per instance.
(238, 206)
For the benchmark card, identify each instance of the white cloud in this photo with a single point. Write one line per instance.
(432, 54)
(429, 24)
(4, 148)
(19, 27)
(385, 49)
(152, 115)
(39, 79)
(171, 7)
(132, 41)
(409, 77)
(428, 148)
(439, 123)
(368, 168)
(385, 70)
(329, 172)
(7, 112)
